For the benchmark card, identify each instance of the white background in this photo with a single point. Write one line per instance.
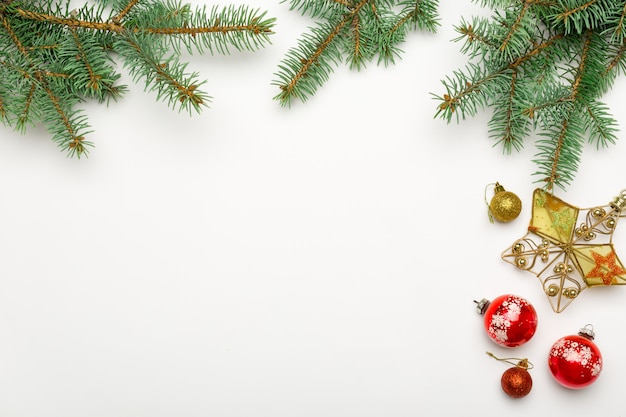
(254, 260)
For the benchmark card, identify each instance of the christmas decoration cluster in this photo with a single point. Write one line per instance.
(510, 321)
(568, 249)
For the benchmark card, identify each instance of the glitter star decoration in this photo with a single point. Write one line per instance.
(569, 249)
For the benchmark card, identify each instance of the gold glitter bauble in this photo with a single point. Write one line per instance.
(505, 206)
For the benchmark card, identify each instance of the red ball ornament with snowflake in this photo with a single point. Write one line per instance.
(509, 320)
(575, 361)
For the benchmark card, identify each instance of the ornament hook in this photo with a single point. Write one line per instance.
(619, 203)
(521, 363)
(495, 185)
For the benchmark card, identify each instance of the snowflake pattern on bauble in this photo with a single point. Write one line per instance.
(575, 352)
(502, 319)
(509, 320)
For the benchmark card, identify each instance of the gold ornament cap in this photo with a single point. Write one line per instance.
(505, 206)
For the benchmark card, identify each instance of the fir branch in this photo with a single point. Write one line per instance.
(559, 58)
(560, 150)
(24, 116)
(354, 30)
(321, 9)
(215, 30)
(68, 126)
(506, 126)
(70, 22)
(576, 17)
(616, 25)
(88, 66)
(122, 13)
(57, 57)
(517, 33)
(465, 92)
(601, 126)
(358, 41)
(164, 74)
(477, 39)
(13, 36)
(420, 14)
(307, 67)
(413, 15)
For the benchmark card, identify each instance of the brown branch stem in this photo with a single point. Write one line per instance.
(70, 22)
(514, 26)
(118, 17)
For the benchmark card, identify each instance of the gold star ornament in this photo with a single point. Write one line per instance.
(569, 249)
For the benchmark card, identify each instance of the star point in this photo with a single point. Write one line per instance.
(607, 268)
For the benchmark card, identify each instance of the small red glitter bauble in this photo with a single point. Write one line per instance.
(575, 361)
(516, 382)
(509, 320)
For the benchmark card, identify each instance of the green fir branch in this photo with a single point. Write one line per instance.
(541, 67)
(52, 57)
(602, 128)
(354, 31)
(560, 149)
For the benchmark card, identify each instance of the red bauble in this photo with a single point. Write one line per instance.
(575, 361)
(509, 320)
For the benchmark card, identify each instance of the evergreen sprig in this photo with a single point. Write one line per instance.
(358, 31)
(53, 57)
(541, 66)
